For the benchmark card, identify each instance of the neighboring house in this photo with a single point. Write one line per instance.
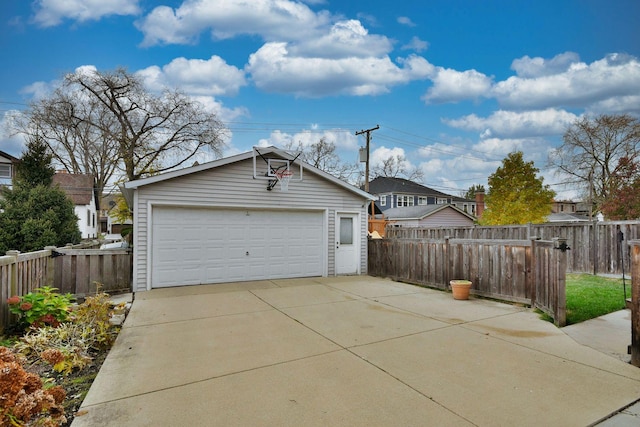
(217, 222)
(566, 217)
(7, 169)
(429, 216)
(564, 206)
(400, 193)
(109, 224)
(79, 188)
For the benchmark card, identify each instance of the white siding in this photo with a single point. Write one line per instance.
(233, 185)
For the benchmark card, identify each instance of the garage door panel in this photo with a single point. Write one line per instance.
(194, 246)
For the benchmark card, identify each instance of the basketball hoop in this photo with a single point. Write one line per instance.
(284, 177)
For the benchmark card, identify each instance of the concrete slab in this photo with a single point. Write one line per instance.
(348, 351)
(492, 382)
(441, 306)
(192, 306)
(204, 289)
(370, 287)
(610, 334)
(628, 417)
(295, 296)
(167, 355)
(360, 322)
(336, 389)
(524, 329)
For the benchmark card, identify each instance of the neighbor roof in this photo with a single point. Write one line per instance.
(385, 184)
(566, 217)
(419, 212)
(9, 156)
(238, 158)
(78, 187)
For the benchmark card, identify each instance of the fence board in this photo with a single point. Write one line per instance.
(595, 247)
(526, 271)
(75, 272)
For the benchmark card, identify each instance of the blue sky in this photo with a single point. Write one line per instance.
(454, 85)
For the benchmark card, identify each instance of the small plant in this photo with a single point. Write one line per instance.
(24, 398)
(42, 307)
(71, 344)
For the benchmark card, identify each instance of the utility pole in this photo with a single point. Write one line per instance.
(366, 168)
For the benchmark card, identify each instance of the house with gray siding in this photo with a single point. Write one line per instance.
(219, 222)
(394, 193)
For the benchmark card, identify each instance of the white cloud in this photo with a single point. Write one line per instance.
(581, 84)
(383, 153)
(196, 76)
(616, 104)
(343, 40)
(271, 19)
(516, 124)
(453, 86)
(49, 13)
(11, 142)
(405, 20)
(274, 69)
(416, 44)
(527, 67)
(344, 140)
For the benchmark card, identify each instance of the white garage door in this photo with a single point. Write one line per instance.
(193, 246)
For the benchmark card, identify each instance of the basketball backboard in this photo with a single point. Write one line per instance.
(269, 163)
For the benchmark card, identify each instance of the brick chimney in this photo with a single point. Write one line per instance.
(479, 203)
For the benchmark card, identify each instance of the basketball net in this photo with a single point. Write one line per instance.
(283, 178)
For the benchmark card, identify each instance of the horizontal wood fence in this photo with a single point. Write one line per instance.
(75, 271)
(596, 247)
(526, 271)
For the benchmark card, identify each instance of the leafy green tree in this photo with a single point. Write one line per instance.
(33, 214)
(35, 165)
(516, 194)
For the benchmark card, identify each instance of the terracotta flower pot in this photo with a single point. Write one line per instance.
(460, 289)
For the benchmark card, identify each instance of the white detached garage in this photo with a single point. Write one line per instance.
(217, 222)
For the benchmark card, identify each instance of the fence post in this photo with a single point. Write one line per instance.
(635, 302)
(531, 270)
(560, 309)
(13, 281)
(447, 262)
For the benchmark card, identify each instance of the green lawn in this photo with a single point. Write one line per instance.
(590, 296)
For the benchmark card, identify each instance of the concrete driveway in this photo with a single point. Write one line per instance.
(347, 351)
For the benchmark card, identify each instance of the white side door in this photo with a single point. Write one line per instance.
(347, 244)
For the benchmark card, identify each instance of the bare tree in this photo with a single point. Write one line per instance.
(99, 120)
(67, 122)
(323, 156)
(397, 167)
(593, 147)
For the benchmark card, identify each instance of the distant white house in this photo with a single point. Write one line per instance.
(79, 188)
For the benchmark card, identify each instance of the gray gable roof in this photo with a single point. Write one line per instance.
(385, 184)
(419, 212)
(130, 185)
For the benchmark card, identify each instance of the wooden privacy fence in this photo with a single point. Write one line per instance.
(596, 247)
(526, 271)
(74, 271)
(635, 302)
